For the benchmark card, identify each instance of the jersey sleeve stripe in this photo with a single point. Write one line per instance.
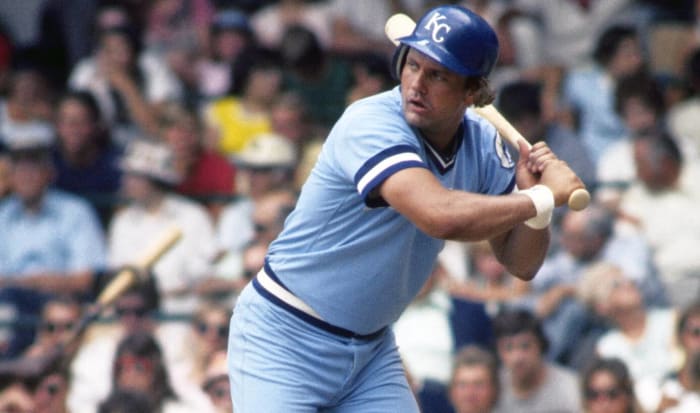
(382, 165)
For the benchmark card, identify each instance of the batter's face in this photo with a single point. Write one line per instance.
(434, 98)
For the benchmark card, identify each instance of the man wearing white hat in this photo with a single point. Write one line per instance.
(153, 208)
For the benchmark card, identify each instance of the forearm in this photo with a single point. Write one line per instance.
(522, 250)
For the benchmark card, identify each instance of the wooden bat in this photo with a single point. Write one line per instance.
(399, 25)
(127, 277)
(36, 366)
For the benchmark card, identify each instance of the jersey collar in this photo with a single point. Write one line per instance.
(443, 161)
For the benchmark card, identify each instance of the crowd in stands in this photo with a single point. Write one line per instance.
(121, 119)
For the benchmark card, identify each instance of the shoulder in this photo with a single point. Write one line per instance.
(67, 202)
(377, 119)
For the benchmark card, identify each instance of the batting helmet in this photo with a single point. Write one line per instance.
(455, 37)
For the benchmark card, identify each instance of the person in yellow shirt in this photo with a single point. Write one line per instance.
(234, 119)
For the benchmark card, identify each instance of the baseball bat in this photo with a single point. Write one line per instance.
(399, 25)
(127, 277)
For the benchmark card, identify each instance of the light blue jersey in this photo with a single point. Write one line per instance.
(348, 255)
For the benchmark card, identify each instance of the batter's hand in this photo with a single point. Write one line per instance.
(531, 163)
(539, 165)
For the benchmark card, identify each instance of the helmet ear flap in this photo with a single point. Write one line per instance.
(398, 60)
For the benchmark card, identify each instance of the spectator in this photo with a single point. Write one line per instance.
(135, 311)
(139, 366)
(271, 22)
(235, 119)
(358, 26)
(60, 317)
(322, 81)
(608, 388)
(269, 214)
(666, 186)
(474, 387)
(152, 209)
(489, 283)
(291, 119)
(427, 356)
(52, 242)
(521, 103)
(682, 116)
(129, 85)
(641, 337)
(639, 103)
(51, 392)
(587, 237)
(85, 159)
(230, 34)
(679, 392)
(371, 75)
(216, 383)
(569, 28)
(15, 396)
(529, 383)
(589, 91)
(265, 165)
(210, 333)
(26, 110)
(172, 22)
(206, 175)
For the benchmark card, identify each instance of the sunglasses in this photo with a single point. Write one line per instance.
(203, 328)
(52, 327)
(693, 331)
(609, 394)
(51, 389)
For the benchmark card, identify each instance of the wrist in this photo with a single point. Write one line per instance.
(543, 200)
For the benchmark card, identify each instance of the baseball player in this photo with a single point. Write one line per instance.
(399, 173)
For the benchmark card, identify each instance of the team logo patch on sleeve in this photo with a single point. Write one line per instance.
(502, 152)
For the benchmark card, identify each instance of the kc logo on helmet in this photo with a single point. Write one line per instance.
(434, 24)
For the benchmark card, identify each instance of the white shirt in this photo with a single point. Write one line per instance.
(424, 336)
(133, 230)
(650, 357)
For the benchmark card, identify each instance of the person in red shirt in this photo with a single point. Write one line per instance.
(207, 176)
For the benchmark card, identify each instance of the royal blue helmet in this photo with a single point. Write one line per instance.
(455, 37)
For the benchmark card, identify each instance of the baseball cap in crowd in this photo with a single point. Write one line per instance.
(231, 19)
(267, 151)
(151, 159)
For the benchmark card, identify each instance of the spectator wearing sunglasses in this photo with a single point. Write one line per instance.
(607, 387)
(207, 335)
(134, 312)
(59, 319)
(680, 390)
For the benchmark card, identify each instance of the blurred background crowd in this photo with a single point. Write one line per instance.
(120, 119)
